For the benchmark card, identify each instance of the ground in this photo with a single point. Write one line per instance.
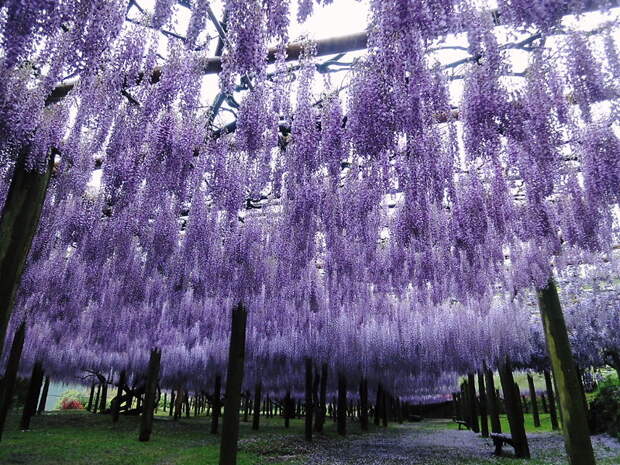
(81, 438)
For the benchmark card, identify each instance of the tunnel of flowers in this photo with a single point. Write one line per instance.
(230, 208)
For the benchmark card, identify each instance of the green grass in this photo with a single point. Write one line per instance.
(545, 423)
(81, 438)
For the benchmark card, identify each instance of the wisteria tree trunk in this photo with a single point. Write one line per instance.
(484, 423)
(533, 401)
(234, 382)
(492, 401)
(34, 387)
(43, 400)
(471, 386)
(10, 374)
(514, 410)
(309, 401)
(553, 414)
(321, 411)
(89, 406)
(146, 424)
(217, 404)
(574, 417)
(377, 418)
(18, 224)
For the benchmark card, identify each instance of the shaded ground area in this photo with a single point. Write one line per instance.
(435, 442)
(79, 438)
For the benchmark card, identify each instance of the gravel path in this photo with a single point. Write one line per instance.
(428, 443)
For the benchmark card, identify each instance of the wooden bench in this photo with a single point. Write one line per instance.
(499, 440)
(460, 423)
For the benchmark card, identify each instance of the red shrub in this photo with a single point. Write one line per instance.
(71, 404)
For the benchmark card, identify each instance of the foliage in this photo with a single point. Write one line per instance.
(72, 399)
(605, 408)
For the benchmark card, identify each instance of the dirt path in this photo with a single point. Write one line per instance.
(428, 443)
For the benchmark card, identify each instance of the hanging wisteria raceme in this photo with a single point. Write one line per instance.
(392, 230)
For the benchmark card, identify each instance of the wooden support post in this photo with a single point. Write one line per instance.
(551, 401)
(342, 404)
(287, 409)
(116, 405)
(455, 406)
(377, 418)
(172, 399)
(103, 400)
(146, 424)
(492, 401)
(34, 387)
(90, 398)
(471, 385)
(18, 224)
(10, 374)
(533, 402)
(309, 404)
(513, 410)
(543, 401)
(234, 382)
(575, 421)
(165, 400)
(364, 404)
(217, 405)
(43, 400)
(96, 404)
(322, 408)
(257, 397)
(246, 410)
(384, 407)
(484, 423)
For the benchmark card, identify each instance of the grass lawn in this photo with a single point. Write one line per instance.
(81, 438)
(545, 423)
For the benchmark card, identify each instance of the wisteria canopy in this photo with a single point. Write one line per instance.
(388, 209)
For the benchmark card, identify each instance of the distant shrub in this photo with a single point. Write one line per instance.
(605, 408)
(72, 397)
(71, 404)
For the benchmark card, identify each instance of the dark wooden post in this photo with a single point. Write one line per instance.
(103, 400)
(165, 400)
(308, 401)
(377, 418)
(96, 404)
(217, 406)
(43, 400)
(455, 406)
(18, 224)
(234, 382)
(530, 382)
(492, 401)
(364, 404)
(287, 409)
(90, 398)
(116, 405)
(484, 423)
(246, 411)
(513, 410)
(257, 396)
(551, 401)
(34, 387)
(543, 401)
(146, 424)
(465, 408)
(321, 411)
(575, 421)
(342, 404)
(384, 407)
(10, 374)
(172, 403)
(471, 384)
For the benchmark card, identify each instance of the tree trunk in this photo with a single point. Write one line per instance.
(257, 397)
(146, 424)
(234, 382)
(287, 409)
(246, 411)
(217, 407)
(18, 224)
(96, 404)
(514, 410)
(484, 423)
(34, 387)
(492, 401)
(342, 404)
(309, 401)
(364, 404)
(384, 407)
(377, 418)
(10, 374)
(116, 405)
(533, 401)
(575, 420)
